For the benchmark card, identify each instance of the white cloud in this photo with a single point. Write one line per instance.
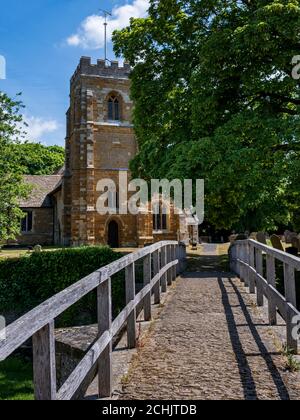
(39, 127)
(90, 34)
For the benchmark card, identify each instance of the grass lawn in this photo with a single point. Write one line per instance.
(16, 380)
(223, 249)
(12, 253)
(16, 253)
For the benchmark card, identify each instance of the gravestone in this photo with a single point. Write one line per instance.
(37, 249)
(288, 235)
(276, 242)
(232, 238)
(261, 237)
(296, 243)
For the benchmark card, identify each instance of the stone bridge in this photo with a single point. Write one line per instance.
(211, 341)
(194, 332)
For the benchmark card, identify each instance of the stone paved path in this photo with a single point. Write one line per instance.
(210, 342)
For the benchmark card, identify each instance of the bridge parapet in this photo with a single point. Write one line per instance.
(161, 264)
(256, 265)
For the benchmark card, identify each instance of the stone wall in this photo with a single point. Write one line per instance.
(42, 228)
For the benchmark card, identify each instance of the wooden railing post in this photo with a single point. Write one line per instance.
(169, 258)
(290, 284)
(178, 257)
(243, 268)
(44, 366)
(181, 257)
(290, 296)
(174, 259)
(238, 255)
(271, 279)
(259, 270)
(241, 251)
(246, 278)
(104, 324)
(163, 264)
(246, 260)
(156, 270)
(184, 253)
(147, 280)
(130, 295)
(233, 258)
(242, 258)
(251, 274)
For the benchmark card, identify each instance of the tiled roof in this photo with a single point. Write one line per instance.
(60, 171)
(42, 187)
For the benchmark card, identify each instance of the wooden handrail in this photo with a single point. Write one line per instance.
(69, 388)
(246, 259)
(39, 323)
(276, 253)
(25, 327)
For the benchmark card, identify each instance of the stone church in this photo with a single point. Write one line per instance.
(100, 142)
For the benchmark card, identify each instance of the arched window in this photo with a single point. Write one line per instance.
(113, 108)
(160, 221)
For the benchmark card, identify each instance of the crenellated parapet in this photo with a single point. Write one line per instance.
(101, 68)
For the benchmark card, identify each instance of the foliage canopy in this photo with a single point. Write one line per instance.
(16, 159)
(37, 159)
(12, 188)
(214, 99)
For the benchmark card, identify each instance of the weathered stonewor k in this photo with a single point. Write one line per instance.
(100, 143)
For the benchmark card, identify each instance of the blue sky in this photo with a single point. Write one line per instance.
(42, 42)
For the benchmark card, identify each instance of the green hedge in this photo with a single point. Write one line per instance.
(28, 281)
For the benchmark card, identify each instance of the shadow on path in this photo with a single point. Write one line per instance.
(208, 344)
(247, 380)
(207, 263)
(215, 266)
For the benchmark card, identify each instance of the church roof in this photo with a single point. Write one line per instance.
(60, 171)
(42, 187)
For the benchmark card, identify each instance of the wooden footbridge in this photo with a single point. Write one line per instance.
(208, 343)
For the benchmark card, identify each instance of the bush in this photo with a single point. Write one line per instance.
(28, 281)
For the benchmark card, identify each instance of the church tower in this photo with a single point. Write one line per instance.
(100, 143)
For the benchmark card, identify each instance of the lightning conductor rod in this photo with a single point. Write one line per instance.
(106, 14)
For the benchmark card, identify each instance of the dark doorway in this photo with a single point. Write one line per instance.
(113, 234)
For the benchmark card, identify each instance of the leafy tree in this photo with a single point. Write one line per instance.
(214, 99)
(12, 188)
(37, 159)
